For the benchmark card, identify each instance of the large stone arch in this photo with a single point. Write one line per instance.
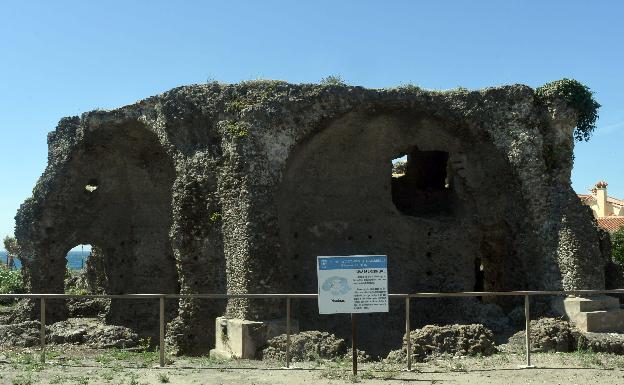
(336, 199)
(115, 192)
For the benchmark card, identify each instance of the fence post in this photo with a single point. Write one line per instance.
(287, 332)
(354, 342)
(162, 331)
(408, 333)
(42, 334)
(527, 320)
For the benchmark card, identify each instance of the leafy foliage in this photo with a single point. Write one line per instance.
(11, 246)
(333, 80)
(578, 97)
(617, 245)
(10, 281)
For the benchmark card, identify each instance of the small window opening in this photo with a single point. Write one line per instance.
(77, 257)
(92, 185)
(421, 184)
(479, 276)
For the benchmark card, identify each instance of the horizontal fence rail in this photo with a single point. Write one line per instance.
(289, 297)
(295, 296)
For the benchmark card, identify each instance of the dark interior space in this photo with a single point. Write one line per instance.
(425, 187)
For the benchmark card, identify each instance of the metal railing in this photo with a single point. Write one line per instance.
(290, 297)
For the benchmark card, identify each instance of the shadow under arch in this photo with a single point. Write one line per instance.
(114, 192)
(335, 198)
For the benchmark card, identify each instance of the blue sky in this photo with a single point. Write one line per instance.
(61, 58)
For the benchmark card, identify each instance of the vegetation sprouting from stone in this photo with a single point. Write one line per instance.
(578, 97)
(333, 80)
(215, 217)
(617, 245)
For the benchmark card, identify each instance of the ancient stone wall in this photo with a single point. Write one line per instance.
(213, 188)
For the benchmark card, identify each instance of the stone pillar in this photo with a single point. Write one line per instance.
(251, 245)
(44, 272)
(247, 191)
(198, 248)
(579, 258)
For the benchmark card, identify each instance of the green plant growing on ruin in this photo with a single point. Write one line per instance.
(409, 87)
(333, 80)
(236, 129)
(234, 106)
(578, 97)
(215, 217)
(617, 246)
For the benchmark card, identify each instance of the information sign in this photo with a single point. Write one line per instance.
(352, 284)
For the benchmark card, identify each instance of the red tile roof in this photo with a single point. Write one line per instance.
(610, 224)
(616, 201)
(612, 200)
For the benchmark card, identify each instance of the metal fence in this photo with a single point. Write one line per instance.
(288, 299)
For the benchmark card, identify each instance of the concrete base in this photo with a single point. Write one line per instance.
(599, 314)
(239, 338)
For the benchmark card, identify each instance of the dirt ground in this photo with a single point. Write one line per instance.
(73, 366)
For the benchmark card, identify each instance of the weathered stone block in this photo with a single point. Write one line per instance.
(595, 314)
(237, 338)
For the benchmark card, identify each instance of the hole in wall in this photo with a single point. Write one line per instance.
(78, 256)
(92, 185)
(76, 259)
(479, 275)
(421, 184)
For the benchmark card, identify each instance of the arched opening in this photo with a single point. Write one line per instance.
(115, 194)
(78, 256)
(85, 275)
(431, 216)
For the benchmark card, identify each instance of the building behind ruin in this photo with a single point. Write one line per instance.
(237, 188)
(608, 211)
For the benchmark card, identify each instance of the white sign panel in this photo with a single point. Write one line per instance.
(353, 284)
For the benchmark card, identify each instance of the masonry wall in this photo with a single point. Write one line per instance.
(237, 188)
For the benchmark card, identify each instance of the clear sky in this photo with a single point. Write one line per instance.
(61, 58)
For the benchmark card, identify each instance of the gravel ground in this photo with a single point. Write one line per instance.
(75, 366)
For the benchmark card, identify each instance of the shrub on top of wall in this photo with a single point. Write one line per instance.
(578, 97)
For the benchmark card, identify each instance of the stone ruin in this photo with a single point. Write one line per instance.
(217, 188)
